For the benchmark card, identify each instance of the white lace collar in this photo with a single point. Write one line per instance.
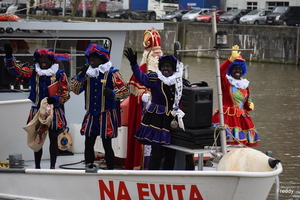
(94, 72)
(171, 80)
(46, 72)
(238, 83)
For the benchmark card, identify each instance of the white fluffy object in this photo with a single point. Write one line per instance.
(246, 159)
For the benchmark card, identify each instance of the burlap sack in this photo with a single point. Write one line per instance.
(37, 128)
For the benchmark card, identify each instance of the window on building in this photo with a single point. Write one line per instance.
(230, 8)
(252, 5)
(271, 5)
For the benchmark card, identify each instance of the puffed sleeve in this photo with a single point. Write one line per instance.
(77, 85)
(17, 69)
(249, 105)
(148, 80)
(64, 93)
(120, 86)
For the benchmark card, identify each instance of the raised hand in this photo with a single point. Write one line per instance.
(234, 54)
(8, 50)
(132, 57)
(251, 105)
(83, 70)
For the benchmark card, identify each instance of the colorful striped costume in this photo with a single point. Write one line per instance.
(39, 85)
(101, 116)
(239, 125)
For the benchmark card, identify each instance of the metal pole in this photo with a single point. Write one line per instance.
(277, 188)
(64, 8)
(219, 89)
(83, 9)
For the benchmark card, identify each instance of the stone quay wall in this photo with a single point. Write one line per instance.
(279, 44)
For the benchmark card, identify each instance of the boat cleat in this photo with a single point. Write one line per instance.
(91, 167)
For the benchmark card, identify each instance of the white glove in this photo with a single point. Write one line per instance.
(145, 97)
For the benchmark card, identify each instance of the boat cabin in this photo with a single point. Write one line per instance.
(62, 37)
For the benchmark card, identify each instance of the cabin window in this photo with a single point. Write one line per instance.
(23, 50)
(169, 1)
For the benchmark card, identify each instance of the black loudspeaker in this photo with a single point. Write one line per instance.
(197, 104)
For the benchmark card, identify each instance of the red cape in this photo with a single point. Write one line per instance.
(134, 157)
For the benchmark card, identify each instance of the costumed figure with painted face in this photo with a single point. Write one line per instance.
(45, 72)
(137, 154)
(237, 102)
(166, 85)
(104, 87)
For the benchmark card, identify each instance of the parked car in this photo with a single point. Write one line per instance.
(126, 14)
(273, 17)
(233, 16)
(174, 16)
(284, 15)
(192, 15)
(4, 6)
(255, 17)
(207, 18)
(22, 8)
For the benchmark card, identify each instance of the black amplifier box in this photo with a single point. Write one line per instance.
(197, 104)
(194, 138)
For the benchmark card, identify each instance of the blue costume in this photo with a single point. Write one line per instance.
(39, 79)
(155, 126)
(39, 89)
(102, 117)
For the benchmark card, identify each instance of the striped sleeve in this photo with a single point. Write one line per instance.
(120, 86)
(77, 85)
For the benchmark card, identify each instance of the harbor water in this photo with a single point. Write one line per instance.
(275, 89)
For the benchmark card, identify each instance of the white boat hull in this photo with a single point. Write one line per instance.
(136, 184)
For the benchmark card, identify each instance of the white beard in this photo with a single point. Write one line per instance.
(152, 63)
(144, 58)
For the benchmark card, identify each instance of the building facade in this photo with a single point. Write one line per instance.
(259, 4)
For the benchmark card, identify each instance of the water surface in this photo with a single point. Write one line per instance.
(275, 91)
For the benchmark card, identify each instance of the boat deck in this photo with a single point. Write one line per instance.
(76, 162)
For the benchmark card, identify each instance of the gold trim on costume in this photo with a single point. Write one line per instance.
(104, 84)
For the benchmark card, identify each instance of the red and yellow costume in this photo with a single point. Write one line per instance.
(236, 104)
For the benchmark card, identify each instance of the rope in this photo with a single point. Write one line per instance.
(216, 135)
(38, 5)
(236, 139)
(4, 164)
(64, 165)
(219, 127)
